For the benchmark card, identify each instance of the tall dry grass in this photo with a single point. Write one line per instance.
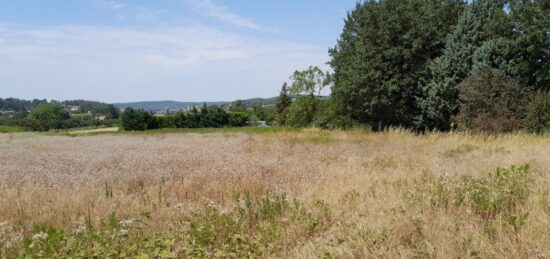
(381, 189)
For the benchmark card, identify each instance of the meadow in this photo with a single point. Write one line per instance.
(275, 193)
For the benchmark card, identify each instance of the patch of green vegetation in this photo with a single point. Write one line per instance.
(247, 130)
(498, 199)
(225, 131)
(10, 129)
(252, 227)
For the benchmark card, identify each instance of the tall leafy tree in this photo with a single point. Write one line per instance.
(383, 52)
(283, 102)
(530, 42)
(483, 21)
(310, 81)
(308, 84)
(48, 116)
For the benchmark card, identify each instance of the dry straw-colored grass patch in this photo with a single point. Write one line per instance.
(345, 194)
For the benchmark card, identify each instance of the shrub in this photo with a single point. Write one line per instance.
(500, 194)
(538, 113)
(302, 112)
(252, 227)
(238, 119)
(498, 199)
(48, 116)
(165, 121)
(137, 120)
(491, 102)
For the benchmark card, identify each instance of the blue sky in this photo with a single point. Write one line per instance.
(185, 50)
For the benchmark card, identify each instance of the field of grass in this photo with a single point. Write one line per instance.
(284, 193)
(9, 129)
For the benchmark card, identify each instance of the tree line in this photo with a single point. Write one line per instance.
(432, 65)
(205, 117)
(41, 115)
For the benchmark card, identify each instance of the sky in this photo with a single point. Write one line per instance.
(182, 50)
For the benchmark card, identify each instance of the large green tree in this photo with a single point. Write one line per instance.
(383, 52)
(283, 102)
(310, 81)
(48, 116)
(482, 21)
(530, 42)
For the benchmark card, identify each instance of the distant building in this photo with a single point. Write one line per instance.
(73, 109)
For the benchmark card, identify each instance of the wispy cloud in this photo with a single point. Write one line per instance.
(221, 13)
(184, 62)
(111, 4)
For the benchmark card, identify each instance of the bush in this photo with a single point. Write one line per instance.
(238, 119)
(48, 116)
(491, 102)
(250, 227)
(137, 120)
(498, 200)
(162, 122)
(302, 112)
(538, 113)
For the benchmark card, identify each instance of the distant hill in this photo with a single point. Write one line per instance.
(20, 105)
(156, 106)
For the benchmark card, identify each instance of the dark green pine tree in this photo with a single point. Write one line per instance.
(382, 54)
(283, 102)
(483, 20)
(531, 42)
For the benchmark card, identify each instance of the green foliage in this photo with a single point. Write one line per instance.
(238, 106)
(253, 227)
(137, 120)
(538, 113)
(530, 42)
(491, 102)
(503, 193)
(439, 99)
(48, 116)
(10, 129)
(497, 200)
(141, 120)
(238, 119)
(383, 52)
(283, 103)
(18, 105)
(302, 112)
(309, 81)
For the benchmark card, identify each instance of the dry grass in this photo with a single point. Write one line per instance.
(380, 188)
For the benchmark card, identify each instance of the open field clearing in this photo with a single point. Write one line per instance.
(100, 130)
(285, 194)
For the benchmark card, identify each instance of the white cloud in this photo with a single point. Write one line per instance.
(221, 13)
(186, 62)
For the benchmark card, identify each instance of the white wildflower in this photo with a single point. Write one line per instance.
(210, 204)
(123, 233)
(40, 236)
(81, 229)
(242, 204)
(4, 227)
(126, 223)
